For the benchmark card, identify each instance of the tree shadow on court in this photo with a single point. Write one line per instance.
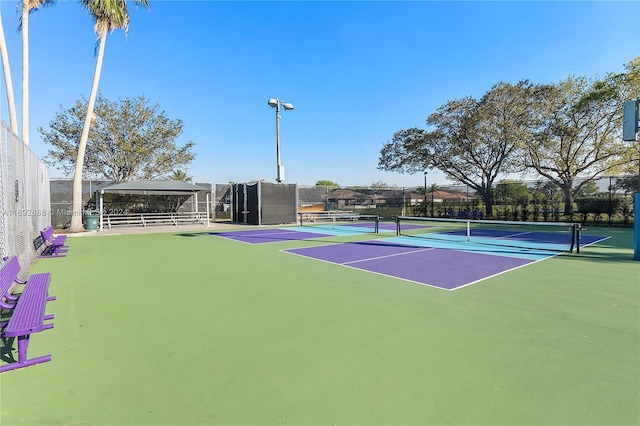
(607, 257)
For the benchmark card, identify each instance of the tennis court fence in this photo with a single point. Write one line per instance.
(25, 206)
(346, 219)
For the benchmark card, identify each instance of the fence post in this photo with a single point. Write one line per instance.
(636, 227)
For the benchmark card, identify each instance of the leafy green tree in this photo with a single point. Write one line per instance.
(381, 185)
(180, 176)
(620, 87)
(327, 183)
(588, 190)
(109, 16)
(577, 136)
(546, 191)
(513, 191)
(472, 141)
(130, 139)
(628, 184)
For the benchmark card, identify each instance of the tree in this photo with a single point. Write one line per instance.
(180, 175)
(109, 15)
(588, 190)
(6, 69)
(429, 190)
(129, 139)
(577, 135)
(473, 141)
(512, 191)
(378, 185)
(628, 184)
(622, 87)
(327, 183)
(28, 6)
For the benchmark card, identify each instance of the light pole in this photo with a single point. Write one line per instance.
(275, 103)
(433, 188)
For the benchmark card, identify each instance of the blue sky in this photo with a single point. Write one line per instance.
(355, 71)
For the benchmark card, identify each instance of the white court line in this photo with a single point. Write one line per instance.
(387, 256)
(511, 235)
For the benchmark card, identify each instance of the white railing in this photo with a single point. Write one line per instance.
(150, 219)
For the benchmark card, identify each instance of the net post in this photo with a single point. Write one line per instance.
(578, 232)
(468, 230)
(377, 224)
(300, 215)
(573, 237)
(397, 225)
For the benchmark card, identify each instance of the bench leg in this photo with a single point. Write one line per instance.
(7, 305)
(12, 297)
(23, 344)
(52, 251)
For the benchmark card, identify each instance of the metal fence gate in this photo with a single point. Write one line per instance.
(261, 203)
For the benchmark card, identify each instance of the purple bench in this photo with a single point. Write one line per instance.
(48, 250)
(56, 241)
(27, 311)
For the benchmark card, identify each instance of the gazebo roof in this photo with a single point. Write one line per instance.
(154, 187)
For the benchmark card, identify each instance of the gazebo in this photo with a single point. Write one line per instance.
(152, 188)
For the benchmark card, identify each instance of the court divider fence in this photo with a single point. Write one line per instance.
(263, 203)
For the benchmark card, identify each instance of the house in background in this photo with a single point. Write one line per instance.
(345, 199)
(322, 199)
(445, 196)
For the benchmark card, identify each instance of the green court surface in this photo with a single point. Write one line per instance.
(194, 329)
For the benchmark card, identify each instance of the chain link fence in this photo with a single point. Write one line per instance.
(24, 198)
(61, 201)
(604, 201)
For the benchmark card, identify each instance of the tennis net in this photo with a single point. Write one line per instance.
(340, 220)
(553, 236)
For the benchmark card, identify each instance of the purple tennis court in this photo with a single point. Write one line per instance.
(270, 235)
(448, 264)
(436, 267)
(295, 233)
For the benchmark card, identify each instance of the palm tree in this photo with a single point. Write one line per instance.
(28, 6)
(6, 69)
(109, 15)
(180, 176)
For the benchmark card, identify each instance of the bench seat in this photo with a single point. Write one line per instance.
(26, 310)
(44, 250)
(28, 315)
(49, 238)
